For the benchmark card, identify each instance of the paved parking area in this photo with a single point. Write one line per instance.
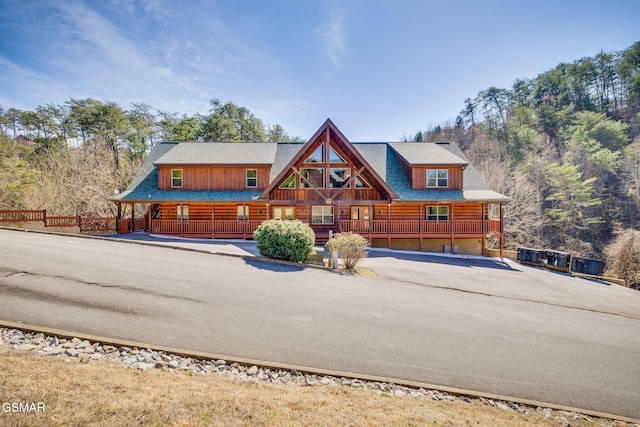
(495, 277)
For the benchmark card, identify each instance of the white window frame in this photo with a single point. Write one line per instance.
(332, 159)
(314, 160)
(174, 179)
(254, 178)
(291, 177)
(242, 212)
(284, 212)
(320, 215)
(364, 185)
(182, 212)
(440, 180)
(347, 177)
(303, 184)
(440, 213)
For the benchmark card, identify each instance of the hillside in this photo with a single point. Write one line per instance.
(565, 146)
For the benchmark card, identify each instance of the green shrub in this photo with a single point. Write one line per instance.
(287, 240)
(351, 248)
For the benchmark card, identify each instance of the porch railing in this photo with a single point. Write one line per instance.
(173, 226)
(413, 226)
(493, 226)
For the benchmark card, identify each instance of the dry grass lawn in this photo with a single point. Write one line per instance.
(108, 394)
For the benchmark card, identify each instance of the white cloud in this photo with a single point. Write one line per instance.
(331, 34)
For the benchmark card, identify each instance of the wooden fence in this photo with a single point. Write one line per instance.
(22, 216)
(85, 225)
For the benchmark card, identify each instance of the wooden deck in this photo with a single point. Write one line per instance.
(368, 228)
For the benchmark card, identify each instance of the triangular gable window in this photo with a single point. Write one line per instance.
(317, 156)
(289, 182)
(334, 157)
(362, 183)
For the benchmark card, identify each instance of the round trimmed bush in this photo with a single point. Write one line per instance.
(287, 240)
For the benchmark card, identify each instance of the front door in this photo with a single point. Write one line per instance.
(359, 219)
(360, 213)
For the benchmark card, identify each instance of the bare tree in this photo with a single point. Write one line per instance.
(623, 257)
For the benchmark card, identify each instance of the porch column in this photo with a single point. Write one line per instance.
(118, 214)
(339, 222)
(213, 221)
(370, 225)
(181, 220)
(133, 217)
(501, 230)
(420, 228)
(389, 226)
(452, 230)
(484, 229)
(244, 221)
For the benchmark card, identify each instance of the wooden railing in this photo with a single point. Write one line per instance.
(192, 227)
(22, 216)
(139, 223)
(413, 226)
(62, 221)
(436, 226)
(196, 227)
(493, 226)
(124, 226)
(230, 226)
(86, 225)
(128, 226)
(467, 226)
(91, 225)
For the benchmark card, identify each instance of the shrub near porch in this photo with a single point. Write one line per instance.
(351, 248)
(286, 240)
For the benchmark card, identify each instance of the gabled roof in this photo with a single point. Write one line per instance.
(382, 162)
(285, 152)
(346, 146)
(220, 153)
(427, 153)
(146, 180)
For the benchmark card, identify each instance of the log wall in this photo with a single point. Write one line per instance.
(213, 177)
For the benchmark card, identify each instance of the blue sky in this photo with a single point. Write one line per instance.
(378, 69)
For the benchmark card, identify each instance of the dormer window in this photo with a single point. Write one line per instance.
(251, 178)
(437, 178)
(176, 178)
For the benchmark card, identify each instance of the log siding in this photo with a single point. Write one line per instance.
(212, 178)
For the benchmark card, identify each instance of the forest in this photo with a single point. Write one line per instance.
(564, 146)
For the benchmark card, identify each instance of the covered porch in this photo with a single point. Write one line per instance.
(377, 222)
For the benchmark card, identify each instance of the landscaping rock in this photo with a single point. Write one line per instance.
(147, 359)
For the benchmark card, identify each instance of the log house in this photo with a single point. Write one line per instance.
(404, 195)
